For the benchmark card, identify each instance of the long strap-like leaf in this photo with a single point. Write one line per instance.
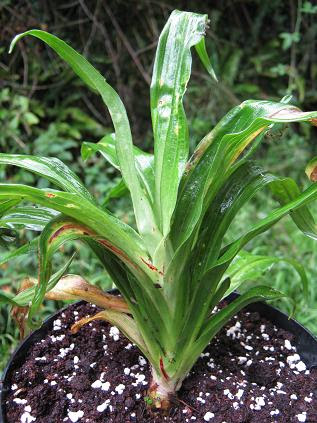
(27, 217)
(124, 147)
(123, 240)
(29, 247)
(205, 288)
(218, 320)
(285, 190)
(211, 163)
(171, 73)
(241, 186)
(49, 168)
(146, 304)
(248, 266)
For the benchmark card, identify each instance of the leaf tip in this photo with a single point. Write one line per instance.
(13, 43)
(311, 170)
(313, 121)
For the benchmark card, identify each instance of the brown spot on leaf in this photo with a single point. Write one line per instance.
(152, 267)
(50, 195)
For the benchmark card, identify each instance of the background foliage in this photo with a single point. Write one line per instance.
(260, 50)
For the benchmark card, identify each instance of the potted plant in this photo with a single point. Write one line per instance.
(172, 269)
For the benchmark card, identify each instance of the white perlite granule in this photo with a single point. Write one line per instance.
(234, 331)
(57, 324)
(102, 407)
(142, 360)
(208, 416)
(260, 401)
(74, 416)
(27, 418)
(120, 388)
(287, 344)
(302, 416)
(103, 385)
(20, 401)
(301, 366)
(114, 333)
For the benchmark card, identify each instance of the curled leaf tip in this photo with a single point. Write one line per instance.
(12, 45)
(13, 42)
(313, 175)
(311, 170)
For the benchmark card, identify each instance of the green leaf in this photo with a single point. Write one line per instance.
(31, 118)
(7, 204)
(118, 191)
(241, 186)
(27, 217)
(144, 162)
(203, 55)
(24, 298)
(309, 8)
(171, 73)
(146, 302)
(24, 249)
(213, 159)
(286, 190)
(118, 237)
(106, 146)
(218, 320)
(289, 38)
(205, 288)
(231, 250)
(248, 266)
(58, 231)
(5, 298)
(49, 168)
(124, 147)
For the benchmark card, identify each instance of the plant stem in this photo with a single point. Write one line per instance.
(162, 391)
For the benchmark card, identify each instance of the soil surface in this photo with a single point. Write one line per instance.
(249, 373)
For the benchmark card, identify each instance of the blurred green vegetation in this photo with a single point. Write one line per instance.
(259, 49)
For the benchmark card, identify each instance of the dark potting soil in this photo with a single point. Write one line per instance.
(249, 373)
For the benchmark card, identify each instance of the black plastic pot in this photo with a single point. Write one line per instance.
(305, 342)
